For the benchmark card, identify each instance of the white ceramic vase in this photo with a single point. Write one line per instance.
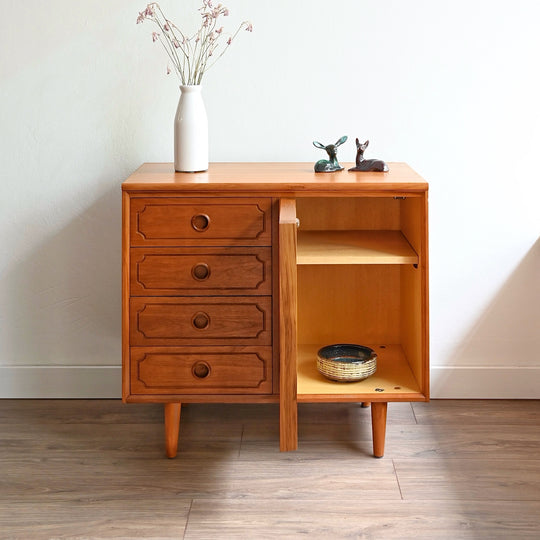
(190, 131)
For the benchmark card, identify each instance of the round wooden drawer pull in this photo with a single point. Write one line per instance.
(200, 222)
(200, 320)
(201, 370)
(200, 271)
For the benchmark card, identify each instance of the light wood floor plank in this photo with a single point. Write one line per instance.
(202, 478)
(476, 412)
(330, 421)
(477, 479)
(96, 469)
(111, 437)
(324, 442)
(352, 413)
(226, 413)
(363, 519)
(98, 518)
(510, 442)
(308, 413)
(120, 479)
(348, 479)
(77, 411)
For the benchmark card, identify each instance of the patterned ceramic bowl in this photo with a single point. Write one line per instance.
(346, 363)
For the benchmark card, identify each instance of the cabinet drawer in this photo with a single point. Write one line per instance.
(214, 370)
(195, 271)
(200, 222)
(200, 320)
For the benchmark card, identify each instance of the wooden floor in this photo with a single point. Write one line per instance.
(96, 469)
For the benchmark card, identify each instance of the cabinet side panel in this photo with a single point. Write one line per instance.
(125, 295)
(411, 321)
(414, 292)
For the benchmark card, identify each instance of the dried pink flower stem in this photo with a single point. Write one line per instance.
(190, 55)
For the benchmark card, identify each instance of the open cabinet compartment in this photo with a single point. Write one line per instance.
(361, 279)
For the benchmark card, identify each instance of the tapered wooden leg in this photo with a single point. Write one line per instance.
(378, 427)
(172, 427)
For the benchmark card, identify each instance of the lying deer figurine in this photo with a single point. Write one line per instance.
(329, 165)
(367, 164)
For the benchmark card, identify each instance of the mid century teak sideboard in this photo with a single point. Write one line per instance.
(234, 278)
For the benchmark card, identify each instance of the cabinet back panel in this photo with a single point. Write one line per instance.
(348, 214)
(349, 303)
(413, 222)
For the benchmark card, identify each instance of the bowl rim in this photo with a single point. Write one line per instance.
(365, 349)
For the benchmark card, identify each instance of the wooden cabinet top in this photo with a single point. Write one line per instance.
(273, 178)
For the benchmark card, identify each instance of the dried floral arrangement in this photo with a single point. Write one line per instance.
(192, 56)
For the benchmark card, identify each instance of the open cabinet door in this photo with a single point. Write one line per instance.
(288, 415)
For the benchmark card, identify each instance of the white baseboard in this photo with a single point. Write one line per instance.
(37, 382)
(485, 382)
(42, 382)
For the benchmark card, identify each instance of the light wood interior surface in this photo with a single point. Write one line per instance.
(334, 213)
(354, 247)
(361, 281)
(392, 381)
(414, 317)
(330, 313)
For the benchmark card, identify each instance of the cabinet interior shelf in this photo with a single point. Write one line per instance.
(393, 380)
(354, 247)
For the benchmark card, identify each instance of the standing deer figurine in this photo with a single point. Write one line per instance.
(367, 164)
(331, 164)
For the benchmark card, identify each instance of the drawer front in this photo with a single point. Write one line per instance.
(200, 321)
(200, 222)
(225, 370)
(192, 271)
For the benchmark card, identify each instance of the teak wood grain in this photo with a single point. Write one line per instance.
(196, 271)
(280, 179)
(288, 323)
(168, 221)
(172, 426)
(174, 371)
(235, 320)
(273, 260)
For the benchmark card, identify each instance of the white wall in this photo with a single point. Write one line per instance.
(452, 88)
